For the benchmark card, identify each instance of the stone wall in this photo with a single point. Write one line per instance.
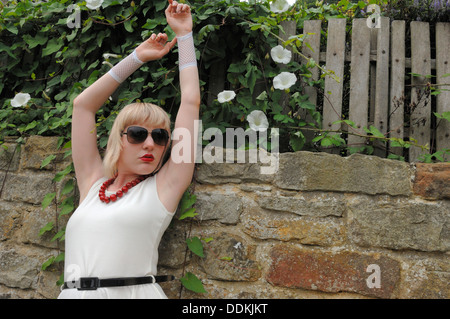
(323, 226)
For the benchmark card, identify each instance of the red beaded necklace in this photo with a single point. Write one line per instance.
(120, 192)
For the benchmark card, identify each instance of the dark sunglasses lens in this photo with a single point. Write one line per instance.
(136, 134)
(160, 136)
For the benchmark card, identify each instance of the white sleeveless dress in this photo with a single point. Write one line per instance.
(119, 239)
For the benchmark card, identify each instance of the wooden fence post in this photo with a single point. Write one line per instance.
(443, 99)
(335, 59)
(313, 29)
(359, 81)
(380, 120)
(397, 85)
(420, 123)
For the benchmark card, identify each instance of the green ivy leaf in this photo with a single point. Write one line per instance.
(59, 258)
(47, 160)
(60, 175)
(66, 209)
(48, 263)
(326, 141)
(46, 228)
(68, 187)
(189, 213)
(195, 245)
(53, 45)
(297, 141)
(445, 115)
(59, 234)
(374, 131)
(186, 203)
(191, 282)
(47, 200)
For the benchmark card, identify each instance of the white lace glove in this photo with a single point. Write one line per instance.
(186, 51)
(122, 70)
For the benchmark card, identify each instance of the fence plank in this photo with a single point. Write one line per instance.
(420, 64)
(397, 85)
(335, 58)
(372, 72)
(313, 30)
(359, 80)
(382, 83)
(443, 99)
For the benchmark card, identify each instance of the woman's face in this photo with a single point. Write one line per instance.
(140, 154)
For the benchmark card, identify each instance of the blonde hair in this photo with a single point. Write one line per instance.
(135, 113)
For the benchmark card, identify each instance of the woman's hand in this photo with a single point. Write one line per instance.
(178, 16)
(155, 47)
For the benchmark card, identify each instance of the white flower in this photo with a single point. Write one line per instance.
(280, 54)
(258, 121)
(226, 96)
(279, 6)
(106, 56)
(108, 64)
(284, 80)
(20, 99)
(93, 4)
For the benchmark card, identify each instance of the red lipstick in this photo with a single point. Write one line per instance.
(147, 158)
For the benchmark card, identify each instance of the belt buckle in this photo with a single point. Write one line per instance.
(88, 283)
(153, 279)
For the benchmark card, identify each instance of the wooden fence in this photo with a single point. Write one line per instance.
(379, 63)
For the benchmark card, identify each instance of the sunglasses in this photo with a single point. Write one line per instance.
(137, 135)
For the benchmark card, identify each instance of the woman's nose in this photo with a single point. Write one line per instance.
(149, 143)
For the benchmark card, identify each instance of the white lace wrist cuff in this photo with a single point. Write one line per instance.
(122, 70)
(186, 51)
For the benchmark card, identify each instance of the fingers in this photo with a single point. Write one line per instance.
(160, 38)
(175, 7)
(171, 44)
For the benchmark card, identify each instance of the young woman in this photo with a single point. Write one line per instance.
(128, 199)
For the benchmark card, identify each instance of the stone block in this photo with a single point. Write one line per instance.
(399, 223)
(432, 181)
(367, 274)
(34, 218)
(426, 278)
(315, 204)
(172, 248)
(18, 269)
(287, 227)
(233, 171)
(28, 188)
(307, 171)
(9, 157)
(37, 148)
(10, 219)
(215, 206)
(229, 257)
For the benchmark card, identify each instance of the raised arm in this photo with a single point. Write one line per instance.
(85, 154)
(178, 171)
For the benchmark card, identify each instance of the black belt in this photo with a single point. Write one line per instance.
(92, 283)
